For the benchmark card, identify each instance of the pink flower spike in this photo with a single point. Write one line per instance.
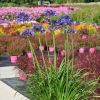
(41, 48)
(29, 54)
(81, 50)
(51, 49)
(22, 75)
(13, 59)
(62, 52)
(84, 37)
(91, 50)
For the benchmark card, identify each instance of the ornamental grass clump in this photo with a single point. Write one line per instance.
(65, 82)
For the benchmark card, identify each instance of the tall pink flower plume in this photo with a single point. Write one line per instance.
(22, 75)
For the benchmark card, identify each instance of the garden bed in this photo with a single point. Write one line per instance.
(52, 48)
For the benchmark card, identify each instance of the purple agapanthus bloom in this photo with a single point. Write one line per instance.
(3, 21)
(53, 22)
(61, 21)
(69, 30)
(49, 13)
(38, 27)
(22, 17)
(51, 28)
(64, 20)
(28, 32)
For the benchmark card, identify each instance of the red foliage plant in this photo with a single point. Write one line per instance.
(88, 62)
(24, 63)
(85, 60)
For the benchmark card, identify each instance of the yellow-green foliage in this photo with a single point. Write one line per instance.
(89, 14)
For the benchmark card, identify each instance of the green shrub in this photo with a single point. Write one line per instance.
(17, 2)
(73, 1)
(52, 1)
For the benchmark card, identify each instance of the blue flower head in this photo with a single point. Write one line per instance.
(37, 27)
(53, 22)
(69, 30)
(49, 13)
(27, 32)
(51, 28)
(64, 20)
(22, 17)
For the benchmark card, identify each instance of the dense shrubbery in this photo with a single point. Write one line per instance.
(53, 1)
(18, 1)
(73, 1)
(35, 2)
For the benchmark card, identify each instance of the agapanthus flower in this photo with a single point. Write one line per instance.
(49, 13)
(65, 20)
(70, 30)
(37, 27)
(3, 21)
(51, 28)
(28, 32)
(61, 21)
(54, 22)
(22, 17)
